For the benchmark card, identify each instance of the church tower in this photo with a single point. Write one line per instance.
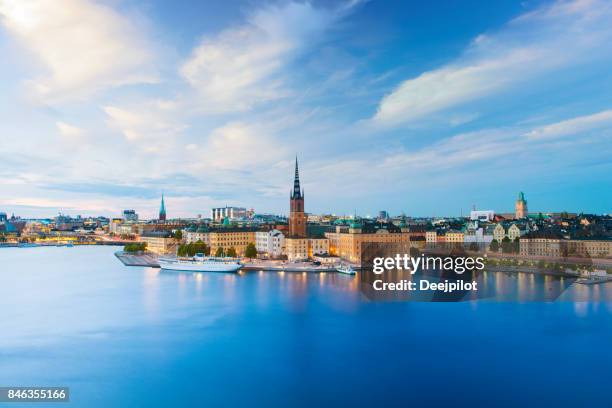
(520, 208)
(162, 209)
(297, 217)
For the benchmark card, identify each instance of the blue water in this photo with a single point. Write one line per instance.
(139, 337)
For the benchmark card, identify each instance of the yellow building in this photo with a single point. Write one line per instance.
(454, 237)
(160, 243)
(349, 243)
(226, 238)
(555, 248)
(297, 249)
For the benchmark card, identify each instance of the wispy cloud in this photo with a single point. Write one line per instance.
(553, 37)
(245, 65)
(69, 132)
(80, 46)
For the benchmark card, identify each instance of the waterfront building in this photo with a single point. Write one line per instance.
(231, 237)
(520, 208)
(270, 243)
(297, 249)
(160, 242)
(348, 243)
(550, 246)
(162, 209)
(194, 234)
(233, 213)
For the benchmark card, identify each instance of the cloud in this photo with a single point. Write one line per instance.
(572, 126)
(244, 65)
(513, 145)
(69, 132)
(550, 38)
(152, 125)
(82, 46)
(238, 146)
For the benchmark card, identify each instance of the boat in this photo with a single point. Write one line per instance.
(200, 263)
(346, 269)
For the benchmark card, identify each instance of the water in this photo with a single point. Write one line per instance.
(139, 337)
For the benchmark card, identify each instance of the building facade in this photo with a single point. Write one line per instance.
(218, 214)
(270, 243)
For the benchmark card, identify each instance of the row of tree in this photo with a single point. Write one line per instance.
(200, 247)
(135, 247)
(507, 246)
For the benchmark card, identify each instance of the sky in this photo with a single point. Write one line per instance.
(421, 109)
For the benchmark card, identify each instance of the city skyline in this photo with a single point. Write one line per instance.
(416, 109)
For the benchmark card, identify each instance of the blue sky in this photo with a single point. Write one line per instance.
(425, 109)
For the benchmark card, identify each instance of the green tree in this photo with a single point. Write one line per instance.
(200, 247)
(251, 251)
(178, 235)
(231, 252)
(474, 247)
(220, 253)
(494, 247)
(506, 245)
(516, 245)
(135, 247)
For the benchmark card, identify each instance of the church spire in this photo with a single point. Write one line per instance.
(297, 193)
(162, 209)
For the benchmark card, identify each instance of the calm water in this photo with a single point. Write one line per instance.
(138, 337)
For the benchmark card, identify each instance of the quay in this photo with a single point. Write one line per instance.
(150, 260)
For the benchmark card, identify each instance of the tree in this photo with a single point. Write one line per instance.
(506, 245)
(251, 251)
(474, 247)
(135, 247)
(178, 235)
(231, 252)
(494, 247)
(516, 245)
(220, 253)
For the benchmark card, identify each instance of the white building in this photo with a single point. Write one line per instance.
(482, 215)
(218, 214)
(191, 235)
(270, 243)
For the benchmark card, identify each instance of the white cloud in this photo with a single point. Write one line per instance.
(244, 65)
(238, 146)
(572, 126)
(83, 46)
(151, 125)
(69, 132)
(538, 42)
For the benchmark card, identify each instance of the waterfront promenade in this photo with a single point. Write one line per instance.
(150, 260)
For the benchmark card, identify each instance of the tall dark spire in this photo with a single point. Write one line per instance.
(162, 209)
(297, 193)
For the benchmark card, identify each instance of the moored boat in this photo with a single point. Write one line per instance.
(346, 269)
(200, 263)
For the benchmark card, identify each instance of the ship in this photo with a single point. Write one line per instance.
(346, 269)
(200, 263)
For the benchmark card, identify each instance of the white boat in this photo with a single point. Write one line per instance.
(347, 269)
(200, 263)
